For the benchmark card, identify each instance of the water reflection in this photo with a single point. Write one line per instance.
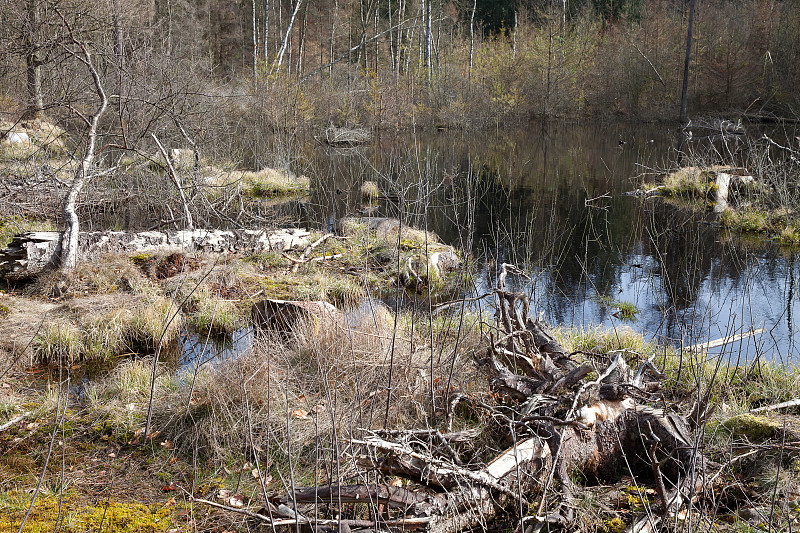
(551, 198)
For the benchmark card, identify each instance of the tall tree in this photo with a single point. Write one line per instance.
(685, 88)
(33, 60)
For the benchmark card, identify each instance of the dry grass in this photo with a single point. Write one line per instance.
(264, 183)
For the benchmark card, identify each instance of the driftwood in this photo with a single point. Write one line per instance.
(556, 424)
(31, 253)
(346, 137)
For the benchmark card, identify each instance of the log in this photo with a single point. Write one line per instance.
(283, 315)
(565, 426)
(30, 253)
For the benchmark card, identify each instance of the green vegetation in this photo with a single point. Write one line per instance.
(78, 517)
(19, 224)
(753, 208)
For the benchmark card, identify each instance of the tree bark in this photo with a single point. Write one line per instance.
(69, 241)
(685, 88)
(33, 61)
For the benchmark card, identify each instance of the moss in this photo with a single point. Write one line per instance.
(76, 516)
(612, 525)
(18, 224)
(4, 310)
(754, 428)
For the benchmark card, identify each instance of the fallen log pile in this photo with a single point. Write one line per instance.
(30, 253)
(558, 416)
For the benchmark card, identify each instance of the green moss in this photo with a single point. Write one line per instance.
(4, 310)
(76, 516)
(754, 428)
(612, 525)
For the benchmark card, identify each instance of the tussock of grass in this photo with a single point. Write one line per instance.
(59, 340)
(370, 191)
(214, 314)
(157, 319)
(111, 332)
(599, 340)
(691, 182)
(264, 183)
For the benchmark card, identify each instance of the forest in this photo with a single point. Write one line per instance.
(389, 266)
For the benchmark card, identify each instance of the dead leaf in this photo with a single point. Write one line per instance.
(112, 455)
(236, 501)
(318, 408)
(153, 435)
(247, 466)
(223, 494)
(255, 473)
(168, 488)
(171, 501)
(173, 460)
(168, 445)
(300, 414)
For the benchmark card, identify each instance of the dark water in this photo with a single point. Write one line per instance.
(551, 199)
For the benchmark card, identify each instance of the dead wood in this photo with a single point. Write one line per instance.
(30, 253)
(556, 424)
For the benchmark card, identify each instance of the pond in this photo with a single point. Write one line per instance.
(551, 199)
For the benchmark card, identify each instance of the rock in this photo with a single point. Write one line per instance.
(17, 137)
(283, 315)
(30, 253)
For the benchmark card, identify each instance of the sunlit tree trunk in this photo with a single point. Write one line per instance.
(69, 239)
(33, 61)
(266, 31)
(685, 89)
(472, 38)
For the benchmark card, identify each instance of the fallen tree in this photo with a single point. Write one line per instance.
(558, 416)
(30, 253)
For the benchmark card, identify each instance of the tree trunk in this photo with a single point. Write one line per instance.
(685, 89)
(69, 241)
(33, 62)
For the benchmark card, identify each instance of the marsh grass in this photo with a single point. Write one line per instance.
(264, 183)
(210, 314)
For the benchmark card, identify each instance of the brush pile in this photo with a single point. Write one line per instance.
(558, 417)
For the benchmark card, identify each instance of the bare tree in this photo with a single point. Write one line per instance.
(69, 240)
(685, 89)
(33, 60)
